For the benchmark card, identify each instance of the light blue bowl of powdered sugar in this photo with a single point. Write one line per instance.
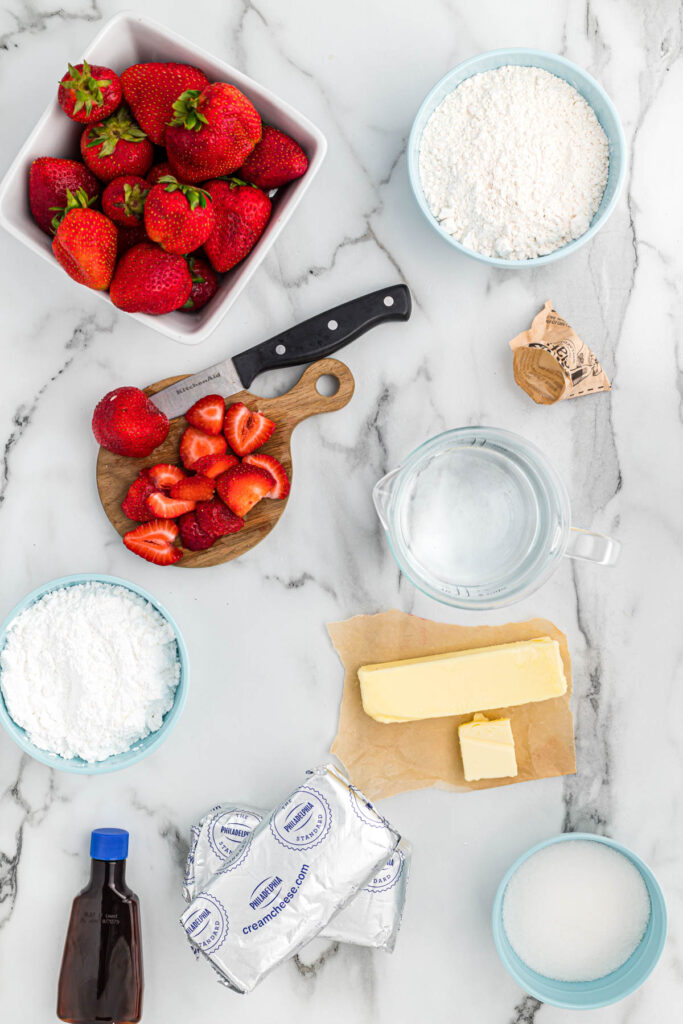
(94, 664)
(443, 177)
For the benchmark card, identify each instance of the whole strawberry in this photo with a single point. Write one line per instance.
(123, 200)
(241, 213)
(116, 146)
(149, 280)
(126, 422)
(212, 132)
(204, 283)
(49, 180)
(178, 217)
(85, 243)
(274, 161)
(128, 237)
(89, 93)
(158, 171)
(152, 89)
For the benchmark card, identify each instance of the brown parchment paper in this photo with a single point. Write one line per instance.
(386, 759)
(552, 363)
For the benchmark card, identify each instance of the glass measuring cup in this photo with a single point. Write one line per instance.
(478, 518)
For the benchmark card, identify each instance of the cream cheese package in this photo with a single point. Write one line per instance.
(214, 840)
(301, 865)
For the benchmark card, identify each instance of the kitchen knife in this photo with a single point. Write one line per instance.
(313, 339)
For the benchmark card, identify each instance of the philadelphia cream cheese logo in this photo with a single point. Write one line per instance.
(206, 923)
(388, 876)
(303, 821)
(364, 810)
(228, 831)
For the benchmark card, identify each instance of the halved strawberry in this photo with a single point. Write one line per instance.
(194, 444)
(243, 486)
(245, 431)
(213, 465)
(154, 542)
(216, 519)
(207, 414)
(163, 475)
(164, 507)
(191, 534)
(193, 488)
(276, 470)
(134, 504)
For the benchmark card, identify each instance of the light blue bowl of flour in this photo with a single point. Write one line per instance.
(142, 747)
(584, 84)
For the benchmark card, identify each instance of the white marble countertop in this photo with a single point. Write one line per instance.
(265, 681)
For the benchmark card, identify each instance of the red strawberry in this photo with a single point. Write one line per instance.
(241, 213)
(123, 200)
(152, 89)
(216, 519)
(89, 93)
(165, 507)
(191, 534)
(128, 237)
(134, 504)
(85, 243)
(243, 486)
(275, 469)
(193, 488)
(207, 414)
(149, 280)
(158, 171)
(126, 422)
(204, 283)
(211, 132)
(154, 541)
(194, 444)
(178, 217)
(244, 430)
(213, 465)
(274, 161)
(163, 475)
(49, 180)
(116, 146)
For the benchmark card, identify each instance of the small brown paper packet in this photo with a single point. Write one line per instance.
(551, 363)
(386, 759)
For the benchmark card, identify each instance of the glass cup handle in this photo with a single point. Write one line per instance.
(381, 493)
(592, 547)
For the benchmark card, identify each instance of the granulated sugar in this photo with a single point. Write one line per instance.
(576, 910)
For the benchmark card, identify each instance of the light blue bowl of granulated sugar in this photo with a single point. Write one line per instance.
(572, 908)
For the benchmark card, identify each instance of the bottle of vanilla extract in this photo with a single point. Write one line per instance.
(101, 975)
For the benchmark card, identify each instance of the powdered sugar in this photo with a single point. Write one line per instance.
(88, 670)
(514, 163)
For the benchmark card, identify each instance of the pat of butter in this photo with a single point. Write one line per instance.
(464, 681)
(488, 748)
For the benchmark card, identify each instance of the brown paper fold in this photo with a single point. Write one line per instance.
(386, 759)
(552, 363)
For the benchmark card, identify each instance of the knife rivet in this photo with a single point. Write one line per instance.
(388, 300)
(280, 350)
(332, 325)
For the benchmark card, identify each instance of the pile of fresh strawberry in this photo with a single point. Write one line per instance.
(172, 189)
(222, 475)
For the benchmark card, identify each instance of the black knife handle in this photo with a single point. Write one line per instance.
(325, 333)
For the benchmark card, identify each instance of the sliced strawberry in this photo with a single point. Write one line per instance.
(134, 504)
(163, 475)
(207, 414)
(194, 488)
(191, 534)
(194, 444)
(245, 431)
(216, 519)
(154, 542)
(213, 465)
(243, 486)
(164, 507)
(275, 469)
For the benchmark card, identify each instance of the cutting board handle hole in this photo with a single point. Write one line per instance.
(327, 385)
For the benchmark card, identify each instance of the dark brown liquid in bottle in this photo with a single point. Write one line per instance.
(101, 976)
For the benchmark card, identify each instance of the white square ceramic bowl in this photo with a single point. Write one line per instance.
(129, 39)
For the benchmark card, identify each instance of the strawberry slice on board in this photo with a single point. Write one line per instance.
(134, 505)
(213, 465)
(194, 444)
(244, 430)
(164, 507)
(194, 488)
(275, 469)
(243, 486)
(191, 534)
(154, 541)
(163, 475)
(216, 519)
(207, 414)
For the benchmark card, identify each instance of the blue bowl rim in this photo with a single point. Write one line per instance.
(150, 742)
(498, 927)
(619, 142)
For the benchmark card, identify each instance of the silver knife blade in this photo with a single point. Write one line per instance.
(220, 379)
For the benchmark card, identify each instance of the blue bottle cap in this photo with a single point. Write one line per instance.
(109, 844)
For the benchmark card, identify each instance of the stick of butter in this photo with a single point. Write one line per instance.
(464, 681)
(488, 748)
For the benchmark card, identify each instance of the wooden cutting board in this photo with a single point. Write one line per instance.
(115, 473)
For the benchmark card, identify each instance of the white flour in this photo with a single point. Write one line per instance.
(513, 163)
(88, 670)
